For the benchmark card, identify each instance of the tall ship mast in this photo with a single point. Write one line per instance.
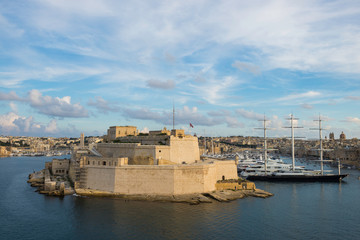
(265, 145)
(301, 175)
(293, 139)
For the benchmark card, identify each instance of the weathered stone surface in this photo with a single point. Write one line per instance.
(259, 193)
(218, 196)
(37, 184)
(221, 196)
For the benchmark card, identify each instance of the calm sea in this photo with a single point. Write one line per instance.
(297, 211)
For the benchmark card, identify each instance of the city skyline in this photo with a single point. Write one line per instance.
(70, 67)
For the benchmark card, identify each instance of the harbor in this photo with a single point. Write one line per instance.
(296, 211)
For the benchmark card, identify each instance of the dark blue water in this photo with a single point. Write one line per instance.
(297, 211)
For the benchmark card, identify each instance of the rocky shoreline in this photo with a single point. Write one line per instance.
(196, 198)
(50, 185)
(58, 186)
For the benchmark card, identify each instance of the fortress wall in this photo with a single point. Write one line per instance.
(210, 178)
(144, 180)
(227, 169)
(162, 180)
(184, 149)
(194, 179)
(137, 154)
(146, 140)
(162, 154)
(100, 178)
(117, 150)
(144, 155)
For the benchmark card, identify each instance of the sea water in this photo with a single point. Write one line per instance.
(296, 211)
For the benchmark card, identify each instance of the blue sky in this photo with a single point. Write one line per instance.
(81, 66)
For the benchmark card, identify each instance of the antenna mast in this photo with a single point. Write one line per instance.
(173, 115)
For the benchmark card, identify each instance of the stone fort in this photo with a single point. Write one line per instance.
(159, 162)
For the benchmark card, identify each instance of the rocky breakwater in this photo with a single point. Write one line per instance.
(49, 184)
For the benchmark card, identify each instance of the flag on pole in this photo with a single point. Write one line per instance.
(191, 125)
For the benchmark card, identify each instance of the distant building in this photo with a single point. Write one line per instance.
(342, 136)
(331, 136)
(164, 131)
(121, 131)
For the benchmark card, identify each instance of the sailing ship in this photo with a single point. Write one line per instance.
(295, 174)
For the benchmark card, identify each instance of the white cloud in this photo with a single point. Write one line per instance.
(184, 115)
(7, 122)
(245, 66)
(59, 107)
(16, 125)
(102, 105)
(306, 106)
(166, 85)
(9, 96)
(249, 114)
(299, 96)
(233, 122)
(215, 91)
(354, 98)
(353, 120)
(145, 130)
(51, 127)
(13, 107)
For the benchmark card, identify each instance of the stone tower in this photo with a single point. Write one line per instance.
(82, 140)
(342, 136)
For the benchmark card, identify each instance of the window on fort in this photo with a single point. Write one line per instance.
(110, 164)
(98, 162)
(159, 150)
(93, 162)
(104, 163)
(115, 164)
(88, 162)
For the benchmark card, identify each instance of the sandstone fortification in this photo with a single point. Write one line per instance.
(163, 164)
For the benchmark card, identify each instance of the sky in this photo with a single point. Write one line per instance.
(68, 67)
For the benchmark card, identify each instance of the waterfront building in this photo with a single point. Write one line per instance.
(155, 164)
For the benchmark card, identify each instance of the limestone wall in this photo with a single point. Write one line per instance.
(226, 170)
(60, 166)
(235, 186)
(136, 153)
(166, 179)
(144, 180)
(100, 178)
(184, 149)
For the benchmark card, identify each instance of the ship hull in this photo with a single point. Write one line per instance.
(299, 178)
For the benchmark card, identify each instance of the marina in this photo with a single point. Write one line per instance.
(270, 170)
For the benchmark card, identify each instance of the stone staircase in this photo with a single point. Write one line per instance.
(82, 177)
